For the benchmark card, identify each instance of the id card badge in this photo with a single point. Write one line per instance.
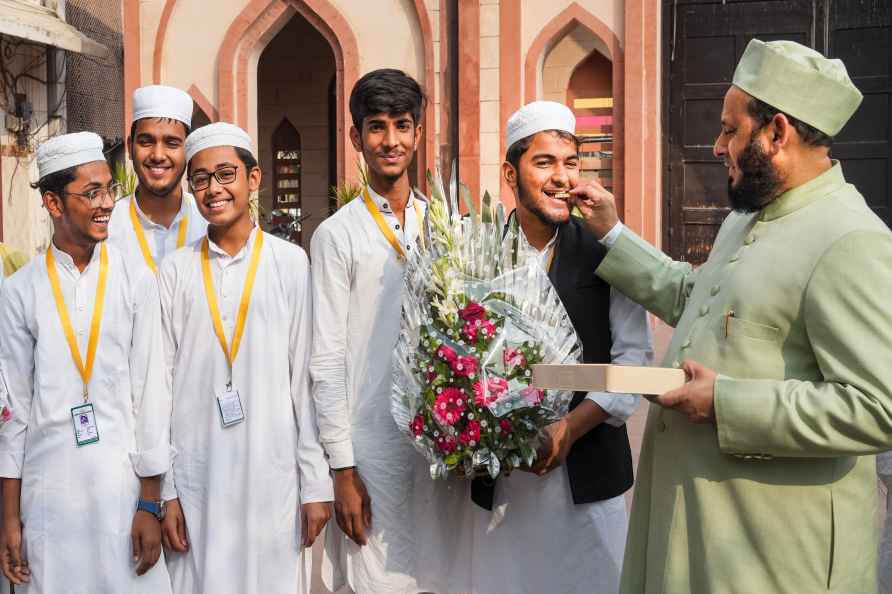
(230, 405)
(85, 429)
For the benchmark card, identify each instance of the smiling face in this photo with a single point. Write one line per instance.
(387, 143)
(223, 205)
(157, 149)
(545, 173)
(73, 215)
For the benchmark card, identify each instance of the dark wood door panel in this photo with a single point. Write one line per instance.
(704, 41)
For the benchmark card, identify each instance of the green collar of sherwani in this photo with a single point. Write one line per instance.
(801, 196)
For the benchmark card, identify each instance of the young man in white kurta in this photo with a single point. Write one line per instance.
(241, 487)
(162, 117)
(358, 287)
(78, 502)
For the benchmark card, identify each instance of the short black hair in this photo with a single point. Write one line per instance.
(55, 182)
(387, 91)
(246, 158)
(165, 120)
(516, 150)
(243, 155)
(762, 113)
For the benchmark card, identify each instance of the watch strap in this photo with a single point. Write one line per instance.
(152, 507)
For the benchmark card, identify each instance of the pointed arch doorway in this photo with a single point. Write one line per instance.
(297, 152)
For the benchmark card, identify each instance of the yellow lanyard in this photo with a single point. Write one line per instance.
(230, 352)
(85, 370)
(141, 236)
(385, 228)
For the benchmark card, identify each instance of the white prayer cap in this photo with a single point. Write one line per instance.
(537, 117)
(158, 101)
(68, 150)
(217, 134)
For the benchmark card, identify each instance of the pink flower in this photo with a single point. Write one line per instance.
(446, 353)
(485, 327)
(417, 425)
(430, 374)
(5, 414)
(471, 434)
(495, 388)
(472, 311)
(513, 358)
(533, 395)
(506, 426)
(449, 406)
(446, 444)
(464, 366)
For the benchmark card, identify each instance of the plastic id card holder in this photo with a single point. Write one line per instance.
(84, 420)
(230, 405)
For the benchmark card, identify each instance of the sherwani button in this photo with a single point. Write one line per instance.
(715, 290)
(704, 309)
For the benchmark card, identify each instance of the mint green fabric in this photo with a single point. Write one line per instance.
(800, 82)
(780, 495)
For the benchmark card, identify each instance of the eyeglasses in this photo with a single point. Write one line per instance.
(97, 196)
(201, 180)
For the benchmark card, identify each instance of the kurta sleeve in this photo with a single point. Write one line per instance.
(846, 313)
(632, 345)
(148, 381)
(166, 284)
(315, 481)
(331, 299)
(648, 276)
(17, 366)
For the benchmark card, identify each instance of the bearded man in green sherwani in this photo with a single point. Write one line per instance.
(756, 476)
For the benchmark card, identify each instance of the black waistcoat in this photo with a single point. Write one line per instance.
(600, 462)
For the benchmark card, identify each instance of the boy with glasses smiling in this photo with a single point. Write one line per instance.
(249, 485)
(82, 355)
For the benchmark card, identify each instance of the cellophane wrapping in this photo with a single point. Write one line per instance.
(478, 311)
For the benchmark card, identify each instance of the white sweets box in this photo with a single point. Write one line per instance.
(622, 379)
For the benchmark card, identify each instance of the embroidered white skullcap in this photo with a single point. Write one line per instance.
(158, 101)
(537, 117)
(68, 150)
(217, 134)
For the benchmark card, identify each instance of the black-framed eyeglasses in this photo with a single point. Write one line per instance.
(97, 196)
(225, 175)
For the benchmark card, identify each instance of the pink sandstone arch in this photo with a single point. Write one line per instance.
(249, 32)
(204, 103)
(559, 26)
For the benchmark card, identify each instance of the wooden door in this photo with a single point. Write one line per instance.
(860, 34)
(704, 41)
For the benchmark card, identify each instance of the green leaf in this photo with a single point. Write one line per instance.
(486, 208)
(465, 192)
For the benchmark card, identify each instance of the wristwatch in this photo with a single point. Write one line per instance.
(156, 508)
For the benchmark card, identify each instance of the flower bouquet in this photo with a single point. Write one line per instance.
(478, 311)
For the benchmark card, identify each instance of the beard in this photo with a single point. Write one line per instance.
(536, 209)
(759, 181)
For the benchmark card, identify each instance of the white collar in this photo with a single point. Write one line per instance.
(213, 248)
(185, 205)
(550, 244)
(66, 261)
(382, 203)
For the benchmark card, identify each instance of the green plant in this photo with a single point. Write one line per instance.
(346, 191)
(123, 174)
